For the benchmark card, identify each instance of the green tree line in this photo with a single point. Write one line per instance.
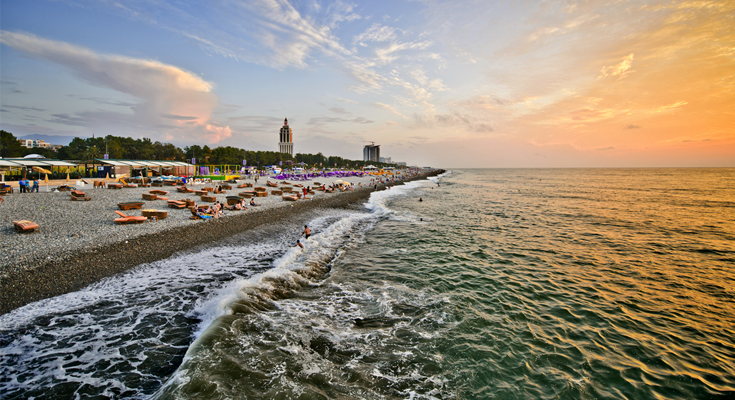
(87, 149)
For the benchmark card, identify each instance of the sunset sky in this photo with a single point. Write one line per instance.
(434, 83)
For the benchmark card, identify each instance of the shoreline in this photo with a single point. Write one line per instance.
(74, 270)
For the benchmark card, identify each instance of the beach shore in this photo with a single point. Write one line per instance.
(78, 243)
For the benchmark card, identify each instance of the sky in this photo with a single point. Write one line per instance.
(452, 84)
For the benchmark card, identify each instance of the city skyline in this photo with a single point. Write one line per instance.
(447, 84)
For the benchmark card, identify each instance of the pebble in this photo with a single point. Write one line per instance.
(78, 243)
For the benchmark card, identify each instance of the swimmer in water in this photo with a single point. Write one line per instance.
(298, 243)
(420, 199)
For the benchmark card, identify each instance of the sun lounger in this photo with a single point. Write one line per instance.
(130, 205)
(247, 194)
(260, 189)
(65, 188)
(226, 187)
(289, 198)
(129, 219)
(160, 192)
(209, 199)
(232, 200)
(277, 192)
(78, 195)
(113, 186)
(184, 189)
(271, 184)
(179, 204)
(157, 214)
(244, 185)
(24, 226)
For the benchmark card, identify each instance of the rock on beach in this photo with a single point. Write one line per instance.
(78, 243)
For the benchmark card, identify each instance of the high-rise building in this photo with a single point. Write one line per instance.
(371, 152)
(285, 145)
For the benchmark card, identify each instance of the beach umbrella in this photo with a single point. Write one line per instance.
(67, 176)
(107, 177)
(46, 178)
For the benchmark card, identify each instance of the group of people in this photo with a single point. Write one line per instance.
(27, 187)
(217, 210)
(306, 233)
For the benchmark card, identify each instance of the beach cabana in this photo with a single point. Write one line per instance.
(119, 166)
(29, 163)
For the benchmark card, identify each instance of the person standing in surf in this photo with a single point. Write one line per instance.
(306, 232)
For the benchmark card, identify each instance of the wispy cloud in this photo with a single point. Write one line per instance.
(620, 70)
(390, 109)
(164, 89)
(376, 33)
(24, 108)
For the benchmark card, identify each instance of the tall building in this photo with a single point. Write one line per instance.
(285, 145)
(371, 152)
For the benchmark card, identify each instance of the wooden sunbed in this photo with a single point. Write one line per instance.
(244, 185)
(289, 198)
(271, 184)
(232, 200)
(156, 191)
(78, 195)
(158, 214)
(65, 188)
(184, 189)
(247, 194)
(129, 219)
(24, 226)
(179, 204)
(113, 186)
(130, 205)
(209, 199)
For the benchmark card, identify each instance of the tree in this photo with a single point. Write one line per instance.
(9, 145)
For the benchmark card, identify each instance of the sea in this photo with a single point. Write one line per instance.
(475, 284)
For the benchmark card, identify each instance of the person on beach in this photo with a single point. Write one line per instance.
(35, 185)
(306, 232)
(22, 185)
(420, 199)
(252, 202)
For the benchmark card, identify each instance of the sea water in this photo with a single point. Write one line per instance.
(507, 284)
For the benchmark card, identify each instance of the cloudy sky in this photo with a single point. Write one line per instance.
(455, 83)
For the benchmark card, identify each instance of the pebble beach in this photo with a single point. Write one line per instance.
(78, 242)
